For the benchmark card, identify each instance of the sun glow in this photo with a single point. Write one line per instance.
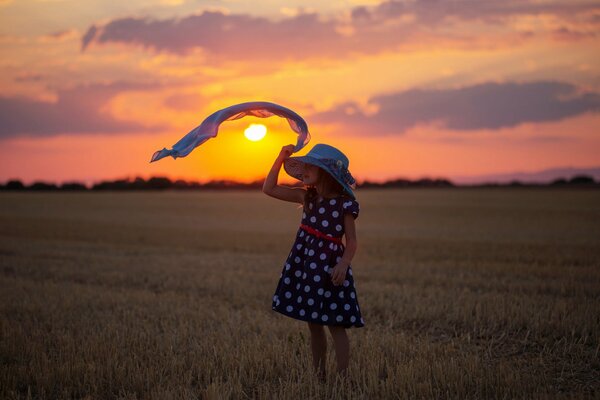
(255, 132)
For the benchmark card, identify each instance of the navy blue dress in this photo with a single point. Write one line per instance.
(305, 290)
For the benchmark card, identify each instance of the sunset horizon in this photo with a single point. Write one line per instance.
(544, 176)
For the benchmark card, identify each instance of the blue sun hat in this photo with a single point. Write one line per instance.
(329, 159)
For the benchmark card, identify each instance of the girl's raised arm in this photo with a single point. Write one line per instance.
(270, 186)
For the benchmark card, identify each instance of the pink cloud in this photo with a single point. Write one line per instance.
(369, 30)
(484, 106)
(77, 110)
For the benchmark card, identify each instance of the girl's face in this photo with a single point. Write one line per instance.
(311, 174)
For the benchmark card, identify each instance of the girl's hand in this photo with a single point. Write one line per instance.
(286, 151)
(338, 274)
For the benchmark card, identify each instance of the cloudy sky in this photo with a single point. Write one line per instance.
(406, 89)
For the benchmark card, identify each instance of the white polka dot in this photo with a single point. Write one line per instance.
(304, 275)
(331, 246)
(310, 205)
(313, 219)
(348, 203)
(326, 268)
(341, 295)
(311, 252)
(301, 233)
(298, 273)
(286, 280)
(320, 244)
(323, 256)
(337, 259)
(352, 319)
(321, 210)
(362, 321)
(297, 286)
(314, 314)
(352, 295)
(333, 306)
(317, 278)
(275, 298)
(310, 302)
(287, 267)
(302, 312)
(332, 202)
(305, 251)
(289, 308)
(335, 214)
(313, 265)
(335, 247)
(346, 307)
(297, 260)
(328, 294)
(339, 318)
(303, 215)
(307, 288)
(346, 283)
(338, 228)
(277, 304)
(288, 295)
(299, 299)
(324, 318)
(320, 291)
(299, 246)
(325, 223)
(350, 271)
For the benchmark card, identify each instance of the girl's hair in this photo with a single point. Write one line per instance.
(330, 185)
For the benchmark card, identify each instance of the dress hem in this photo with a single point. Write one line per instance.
(320, 322)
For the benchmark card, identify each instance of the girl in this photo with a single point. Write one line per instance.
(316, 283)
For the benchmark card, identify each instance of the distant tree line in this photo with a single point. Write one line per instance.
(576, 181)
(154, 183)
(163, 183)
(399, 183)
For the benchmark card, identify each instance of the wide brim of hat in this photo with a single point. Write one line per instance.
(294, 167)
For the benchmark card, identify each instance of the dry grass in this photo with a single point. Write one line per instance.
(480, 293)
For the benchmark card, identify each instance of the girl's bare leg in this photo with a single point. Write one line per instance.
(318, 345)
(342, 348)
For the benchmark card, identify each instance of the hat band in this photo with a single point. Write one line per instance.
(339, 169)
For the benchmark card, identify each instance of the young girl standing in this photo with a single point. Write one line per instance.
(316, 283)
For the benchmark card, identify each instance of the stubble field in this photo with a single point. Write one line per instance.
(465, 293)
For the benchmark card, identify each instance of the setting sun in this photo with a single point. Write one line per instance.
(255, 132)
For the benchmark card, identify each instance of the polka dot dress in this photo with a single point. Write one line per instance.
(305, 290)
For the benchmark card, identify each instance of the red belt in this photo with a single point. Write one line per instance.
(320, 234)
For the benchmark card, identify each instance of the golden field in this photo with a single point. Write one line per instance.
(466, 293)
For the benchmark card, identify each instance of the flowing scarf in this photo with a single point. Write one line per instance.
(210, 126)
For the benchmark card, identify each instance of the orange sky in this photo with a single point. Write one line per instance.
(405, 89)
